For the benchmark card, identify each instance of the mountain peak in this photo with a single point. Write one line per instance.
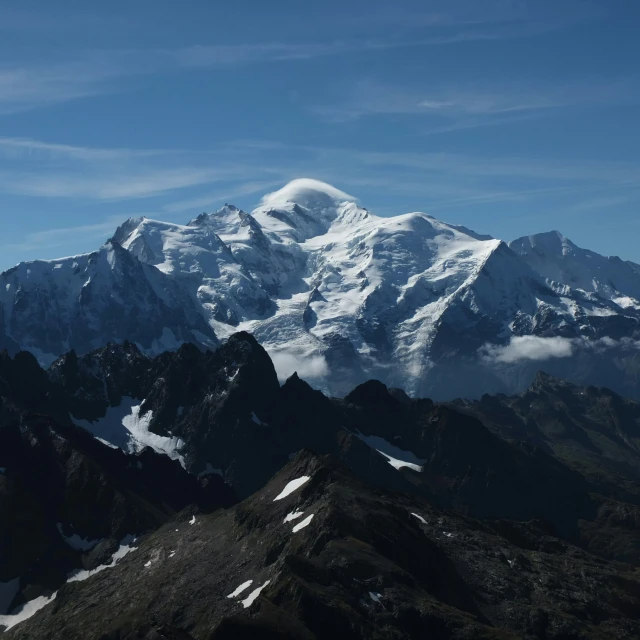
(206, 218)
(125, 230)
(549, 242)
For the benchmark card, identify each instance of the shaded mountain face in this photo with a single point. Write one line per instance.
(591, 430)
(86, 301)
(341, 295)
(68, 502)
(317, 554)
(223, 414)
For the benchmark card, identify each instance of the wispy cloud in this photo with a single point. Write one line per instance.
(458, 164)
(21, 147)
(139, 183)
(235, 191)
(55, 170)
(59, 237)
(469, 106)
(27, 84)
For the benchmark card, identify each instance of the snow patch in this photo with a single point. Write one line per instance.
(25, 611)
(126, 546)
(243, 587)
(193, 520)
(396, 457)
(125, 428)
(415, 515)
(107, 443)
(292, 486)
(253, 595)
(303, 524)
(257, 420)
(294, 515)
(376, 597)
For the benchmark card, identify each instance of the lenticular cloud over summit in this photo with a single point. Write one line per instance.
(305, 192)
(338, 294)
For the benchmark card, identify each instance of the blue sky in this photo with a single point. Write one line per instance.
(508, 116)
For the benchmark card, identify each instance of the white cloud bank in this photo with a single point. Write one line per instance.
(536, 348)
(307, 367)
(528, 348)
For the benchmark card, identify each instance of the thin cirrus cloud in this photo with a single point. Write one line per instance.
(38, 168)
(29, 85)
(235, 191)
(59, 237)
(141, 183)
(477, 105)
(30, 148)
(619, 173)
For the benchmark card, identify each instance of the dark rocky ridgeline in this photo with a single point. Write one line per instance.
(236, 419)
(67, 500)
(361, 563)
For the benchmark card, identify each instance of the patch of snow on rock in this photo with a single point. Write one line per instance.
(123, 427)
(243, 587)
(294, 515)
(415, 515)
(396, 457)
(126, 546)
(193, 520)
(25, 611)
(254, 595)
(303, 524)
(292, 486)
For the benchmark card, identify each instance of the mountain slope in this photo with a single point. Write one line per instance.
(316, 554)
(69, 496)
(68, 502)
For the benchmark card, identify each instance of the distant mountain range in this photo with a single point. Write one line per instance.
(341, 295)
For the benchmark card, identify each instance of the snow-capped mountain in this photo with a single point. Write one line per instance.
(83, 302)
(330, 290)
(560, 260)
